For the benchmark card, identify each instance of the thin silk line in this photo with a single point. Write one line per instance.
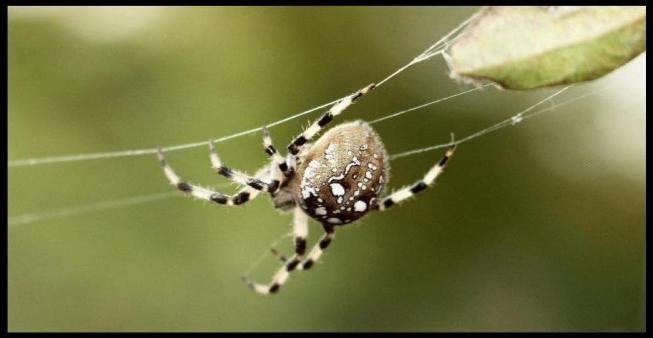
(427, 54)
(81, 209)
(513, 120)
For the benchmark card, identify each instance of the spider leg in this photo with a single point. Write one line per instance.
(239, 198)
(300, 232)
(296, 145)
(239, 177)
(278, 160)
(427, 181)
(294, 263)
(318, 249)
(279, 255)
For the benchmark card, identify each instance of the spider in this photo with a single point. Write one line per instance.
(336, 180)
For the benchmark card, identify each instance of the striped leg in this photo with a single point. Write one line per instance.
(410, 191)
(240, 177)
(318, 249)
(280, 278)
(279, 161)
(296, 145)
(241, 197)
(300, 233)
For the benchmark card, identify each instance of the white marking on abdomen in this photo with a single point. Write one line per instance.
(337, 189)
(360, 206)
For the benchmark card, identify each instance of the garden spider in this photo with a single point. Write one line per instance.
(335, 180)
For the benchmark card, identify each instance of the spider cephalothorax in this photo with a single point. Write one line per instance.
(336, 180)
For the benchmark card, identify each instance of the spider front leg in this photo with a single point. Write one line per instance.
(239, 198)
(278, 160)
(297, 144)
(294, 263)
(418, 186)
(240, 177)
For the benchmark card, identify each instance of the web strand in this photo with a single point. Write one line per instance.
(266, 253)
(35, 217)
(511, 121)
(119, 203)
(399, 113)
(139, 152)
(433, 50)
(82, 209)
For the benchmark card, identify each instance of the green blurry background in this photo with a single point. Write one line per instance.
(535, 227)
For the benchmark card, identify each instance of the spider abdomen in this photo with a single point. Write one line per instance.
(342, 174)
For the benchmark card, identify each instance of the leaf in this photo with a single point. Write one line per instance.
(530, 47)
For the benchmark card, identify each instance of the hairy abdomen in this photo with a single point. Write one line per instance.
(342, 174)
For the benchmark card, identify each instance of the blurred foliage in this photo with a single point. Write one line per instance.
(537, 227)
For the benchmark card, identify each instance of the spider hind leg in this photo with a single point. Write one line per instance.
(410, 191)
(297, 261)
